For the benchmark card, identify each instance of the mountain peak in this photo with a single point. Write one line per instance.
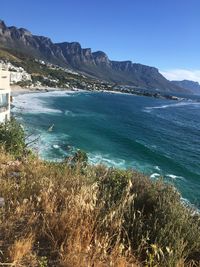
(2, 24)
(25, 31)
(99, 54)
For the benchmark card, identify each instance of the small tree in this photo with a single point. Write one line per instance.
(12, 137)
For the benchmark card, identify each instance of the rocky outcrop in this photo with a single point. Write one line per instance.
(72, 55)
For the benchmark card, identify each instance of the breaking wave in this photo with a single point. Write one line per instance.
(178, 104)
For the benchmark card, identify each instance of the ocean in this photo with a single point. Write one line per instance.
(154, 136)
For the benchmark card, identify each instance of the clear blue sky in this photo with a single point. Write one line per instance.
(161, 33)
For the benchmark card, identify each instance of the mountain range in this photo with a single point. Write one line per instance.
(194, 87)
(83, 60)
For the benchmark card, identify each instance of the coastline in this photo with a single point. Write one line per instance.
(17, 90)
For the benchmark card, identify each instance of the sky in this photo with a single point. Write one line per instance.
(160, 33)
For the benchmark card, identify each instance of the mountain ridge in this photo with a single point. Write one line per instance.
(188, 84)
(96, 64)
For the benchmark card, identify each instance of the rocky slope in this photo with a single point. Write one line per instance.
(72, 55)
(194, 87)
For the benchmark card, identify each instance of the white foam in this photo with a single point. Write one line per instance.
(172, 176)
(56, 146)
(110, 161)
(32, 103)
(97, 158)
(157, 168)
(154, 175)
(35, 102)
(70, 113)
(178, 104)
(59, 93)
(47, 142)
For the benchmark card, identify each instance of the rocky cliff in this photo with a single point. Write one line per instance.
(96, 64)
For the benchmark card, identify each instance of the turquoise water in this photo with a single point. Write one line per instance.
(154, 136)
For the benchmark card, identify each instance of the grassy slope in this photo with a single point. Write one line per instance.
(55, 215)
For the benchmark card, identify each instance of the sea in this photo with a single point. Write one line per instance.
(158, 137)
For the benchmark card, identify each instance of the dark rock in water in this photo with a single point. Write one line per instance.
(95, 64)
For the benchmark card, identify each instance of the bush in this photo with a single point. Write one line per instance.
(12, 137)
(79, 158)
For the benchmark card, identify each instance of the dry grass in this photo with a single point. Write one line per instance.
(55, 215)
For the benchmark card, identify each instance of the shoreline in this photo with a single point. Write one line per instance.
(15, 90)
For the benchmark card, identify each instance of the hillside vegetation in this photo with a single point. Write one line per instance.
(49, 75)
(73, 214)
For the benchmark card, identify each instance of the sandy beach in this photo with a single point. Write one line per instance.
(17, 90)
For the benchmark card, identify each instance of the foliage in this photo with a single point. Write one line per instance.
(80, 156)
(24, 84)
(12, 137)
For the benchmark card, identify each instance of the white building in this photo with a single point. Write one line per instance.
(16, 76)
(4, 95)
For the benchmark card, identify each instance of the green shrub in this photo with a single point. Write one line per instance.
(79, 158)
(12, 137)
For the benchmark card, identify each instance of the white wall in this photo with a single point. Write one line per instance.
(5, 89)
(4, 79)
